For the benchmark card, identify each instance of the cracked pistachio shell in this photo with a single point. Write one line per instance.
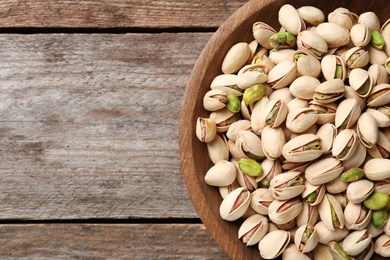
(312, 42)
(253, 229)
(223, 118)
(361, 81)
(367, 130)
(326, 112)
(206, 129)
(323, 171)
(227, 83)
(313, 194)
(234, 151)
(274, 243)
(336, 186)
(292, 253)
(261, 198)
(307, 63)
(223, 173)
(225, 190)
(371, 20)
(382, 147)
(300, 120)
(379, 96)
(334, 34)
(218, 149)
(327, 133)
(236, 127)
(308, 215)
(299, 149)
(306, 238)
(332, 67)
(270, 169)
(325, 235)
(347, 114)
(343, 17)
(357, 216)
(356, 57)
(377, 169)
(287, 185)
(290, 19)
(258, 114)
(329, 91)
(249, 144)
(275, 112)
(311, 15)
(236, 58)
(282, 74)
(379, 74)
(283, 211)
(250, 75)
(303, 87)
(273, 140)
(235, 204)
(214, 99)
(356, 242)
(345, 144)
(331, 212)
(246, 181)
(359, 190)
(262, 32)
(382, 245)
(360, 35)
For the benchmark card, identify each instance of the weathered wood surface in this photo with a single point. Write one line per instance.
(89, 125)
(115, 13)
(107, 241)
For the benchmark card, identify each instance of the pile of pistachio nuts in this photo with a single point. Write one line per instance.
(299, 135)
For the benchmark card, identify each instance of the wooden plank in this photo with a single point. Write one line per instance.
(89, 125)
(108, 241)
(116, 13)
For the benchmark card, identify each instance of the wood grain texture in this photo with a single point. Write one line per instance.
(107, 241)
(116, 13)
(89, 125)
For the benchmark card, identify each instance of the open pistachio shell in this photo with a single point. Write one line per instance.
(331, 212)
(377, 169)
(236, 58)
(303, 87)
(336, 186)
(356, 242)
(311, 15)
(371, 20)
(326, 235)
(235, 204)
(273, 140)
(356, 57)
(357, 216)
(275, 112)
(306, 238)
(287, 185)
(359, 190)
(347, 114)
(250, 75)
(379, 74)
(343, 17)
(300, 120)
(290, 19)
(303, 148)
(379, 96)
(323, 171)
(327, 133)
(367, 130)
(307, 63)
(214, 99)
(312, 42)
(271, 168)
(357, 159)
(258, 113)
(381, 115)
(253, 229)
(381, 149)
(332, 67)
(223, 118)
(308, 215)
(261, 198)
(360, 35)
(361, 81)
(282, 74)
(227, 83)
(283, 211)
(246, 181)
(313, 194)
(218, 149)
(334, 34)
(236, 127)
(345, 144)
(262, 32)
(329, 91)
(382, 187)
(206, 129)
(382, 245)
(222, 173)
(326, 112)
(274, 243)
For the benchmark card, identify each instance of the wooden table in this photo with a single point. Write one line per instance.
(90, 98)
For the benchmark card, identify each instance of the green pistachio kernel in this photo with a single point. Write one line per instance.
(339, 72)
(352, 175)
(312, 197)
(388, 65)
(377, 40)
(265, 182)
(377, 201)
(233, 103)
(250, 167)
(282, 40)
(338, 252)
(335, 219)
(253, 94)
(298, 55)
(379, 218)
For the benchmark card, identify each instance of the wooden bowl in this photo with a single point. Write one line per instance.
(193, 154)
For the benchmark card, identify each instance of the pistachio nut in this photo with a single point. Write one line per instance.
(223, 173)
(250, 167)
(287, 185)
(273, 140)
(367, 253)
(303, 87)
(271, 168)
(273, 244)
(236, 127)
(381, 149)
(227, 83)
(382, 186)
(357, 216)
(374, 231)
(358, 157)
(235, 152)
(343, 17)
(263, 61)
(371, 20)
(223, 118)
(382, 245)
(303, 148)
(377, 40)
(327, 133)
(290, 19)
(307, 63)
(311, 15)
(356, 242)
(214, 99)
(312, 42)
(331, 212)
(292, 253)
(257, 116)
(378, 73)
(308, 215)
(326, 112)
(246, 181)
(347, 113)
(283, 211)
(345, 144)
(356, 57)
(282, 40)
(206, 129)
(275, 112)
(322, 252)
(353, 174)
(306, 238)
(381, 115)
(333, 67)
(282, 74)
(290, 226)
(337, 251)
(336, 186)
(329, 91)
(296, 103)
(251, 75)
(235, 204)
(361, 81)
(360, 35)
(351, 94)
(379, 96)
(282, 94)
(376, 56)
(377, 201)
(277, 56)
(262, 32)
(325, 235)
(313, 194)
(261, 198)
(253, 94)
(225, 190)
(334, 34)
(302, 119)
(367, 130)
(236, 58)
(379, 218)
(377, 169)
(359, 191)
(249, 144)
(218, 149)
(253, 229)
